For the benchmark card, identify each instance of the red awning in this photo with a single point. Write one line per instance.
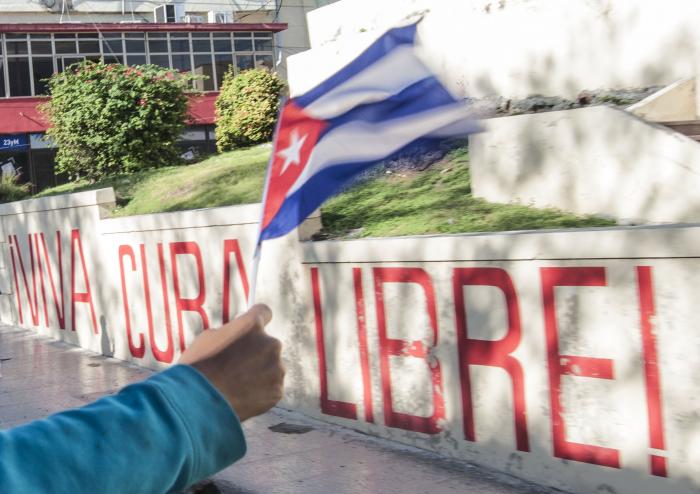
(21, 115)
(91, 27)
(202, 109)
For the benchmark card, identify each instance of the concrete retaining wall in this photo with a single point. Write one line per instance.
(514, 48)
(567, 358)
(596, 160)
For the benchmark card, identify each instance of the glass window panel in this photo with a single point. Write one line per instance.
(162, 60)
(17, 48)
(223, 64)
(157, 35)
(245, 34)
(88, 46)
(200, 35)
(65, 62)
(221, 35)
(244, 44)
(111, 35)
(136, 59)
(263, 34)
(134, 35)
(203, 66)
(182, 63)
(112, 46)
(201, 45)
(40, 36)
(135, 46)
(41, 48)
(65, 47)
(264, 61)
(180, 45)
(158, 46)
(244, 62)
(64, 35)
(88, 36)
(114, 58)
(18, 71)
(222, 45)
(42, 68)
(263, 45)
(15, 36)
(180, 35)
(2, 79)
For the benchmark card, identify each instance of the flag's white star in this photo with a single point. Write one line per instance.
(292, 154)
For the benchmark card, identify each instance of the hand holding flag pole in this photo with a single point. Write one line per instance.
(382, 103)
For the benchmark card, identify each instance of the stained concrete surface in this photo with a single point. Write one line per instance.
(287, 452)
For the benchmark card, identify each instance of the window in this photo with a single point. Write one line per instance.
(243, 44)
(42, 68)
(203, 66)
(201, 42)
(88, 46)
(18, 71)
(181, 62)
(17, 48)
(222, 43)
(162, 60)
(157, 43)
(29, 59)
(180, 42)
(223, 63)
(135, 43)
(244, 62)
(112, 44)
(136, 59)
(264, 61)
(41, 48)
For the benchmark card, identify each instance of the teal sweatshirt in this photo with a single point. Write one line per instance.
(160, 435)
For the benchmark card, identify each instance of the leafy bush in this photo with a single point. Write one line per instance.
(247, 108)
(10, 190)
(109, 119)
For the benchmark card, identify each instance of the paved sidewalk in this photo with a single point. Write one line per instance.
(287, 454)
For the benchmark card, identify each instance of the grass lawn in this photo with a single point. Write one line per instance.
(436, 200)
(221, 180)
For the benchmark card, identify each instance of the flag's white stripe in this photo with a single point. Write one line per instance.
(361, 141)
(398, 70)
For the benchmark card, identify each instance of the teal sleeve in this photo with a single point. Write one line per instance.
(160, 435)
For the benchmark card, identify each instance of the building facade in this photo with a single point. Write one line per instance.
(42, 37)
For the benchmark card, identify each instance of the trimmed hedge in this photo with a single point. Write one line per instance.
(247, 108)
(109, 119)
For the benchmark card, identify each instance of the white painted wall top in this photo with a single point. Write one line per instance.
(515, 48)
(81, 199)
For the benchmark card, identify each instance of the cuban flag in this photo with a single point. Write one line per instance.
(380, 104)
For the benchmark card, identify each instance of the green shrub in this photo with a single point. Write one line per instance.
(247, 108)
(10, 190)
(110, 119)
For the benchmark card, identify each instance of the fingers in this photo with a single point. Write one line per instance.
(257, 317)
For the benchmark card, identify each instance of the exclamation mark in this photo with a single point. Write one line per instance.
(647, 312)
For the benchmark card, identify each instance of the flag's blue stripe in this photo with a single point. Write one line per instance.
(323, 185)
(391, 39)
(422, 96)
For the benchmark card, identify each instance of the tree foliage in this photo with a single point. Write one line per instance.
(109, 119)
(247, 108)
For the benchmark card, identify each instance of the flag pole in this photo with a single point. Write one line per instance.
(258, 245)
(254, 275)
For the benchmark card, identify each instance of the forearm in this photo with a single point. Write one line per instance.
(160, 435)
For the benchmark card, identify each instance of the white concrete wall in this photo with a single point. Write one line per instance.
(552, 345)
(596, 160)
(514, 48)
